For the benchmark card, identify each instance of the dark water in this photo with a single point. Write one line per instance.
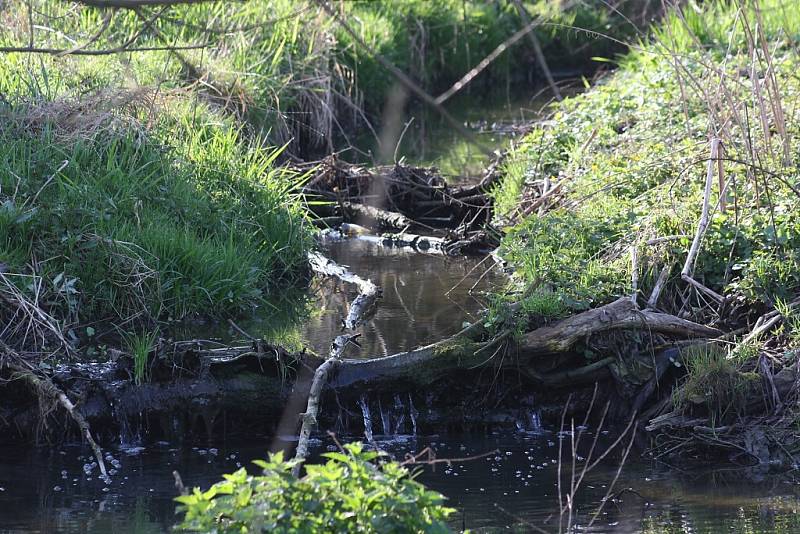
(47, 490)
(426, 297)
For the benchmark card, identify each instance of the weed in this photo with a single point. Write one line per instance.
(140, 346)
(715, 381)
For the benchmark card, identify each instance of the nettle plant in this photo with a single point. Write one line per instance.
(350, 492)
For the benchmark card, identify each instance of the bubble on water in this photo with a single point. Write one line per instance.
(56, 488)
(64, 473)
(213, 452)
(105, 490)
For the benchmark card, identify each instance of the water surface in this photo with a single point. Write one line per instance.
(47, 490)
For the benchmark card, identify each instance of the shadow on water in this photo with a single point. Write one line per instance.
(428, 140)
(50, 490)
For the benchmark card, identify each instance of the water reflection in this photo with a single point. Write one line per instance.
(47, 490)
(426, 298)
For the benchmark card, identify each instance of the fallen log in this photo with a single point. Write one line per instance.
(376, 217)
(368, 293)
(364, 303)
(465, 350)
(621, 314)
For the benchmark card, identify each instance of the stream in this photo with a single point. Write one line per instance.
(425, 298)
(56, 489)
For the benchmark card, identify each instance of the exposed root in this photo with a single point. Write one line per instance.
(45, 387)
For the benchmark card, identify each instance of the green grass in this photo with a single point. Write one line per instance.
(285, 67)
(716, 381)
(631, 156)
(181, 218)
(139, 346)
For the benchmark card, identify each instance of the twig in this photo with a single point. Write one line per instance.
(688, 266)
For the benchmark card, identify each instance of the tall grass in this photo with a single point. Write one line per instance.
(182, 218)
(285, 67)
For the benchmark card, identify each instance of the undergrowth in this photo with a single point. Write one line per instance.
(346, 493)
(625, 166)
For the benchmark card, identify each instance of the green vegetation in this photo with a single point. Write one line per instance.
(716, 380)
(181, 218)
(348, 493)
(627, 161)
(146, 184)
(139, 346)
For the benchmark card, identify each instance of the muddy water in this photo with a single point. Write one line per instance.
(47, 490)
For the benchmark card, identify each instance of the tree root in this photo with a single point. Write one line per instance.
(45, 387)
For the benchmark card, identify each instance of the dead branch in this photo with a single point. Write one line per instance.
(702, 225)
(45, 387)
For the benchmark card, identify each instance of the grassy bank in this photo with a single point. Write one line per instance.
(627, 162)
(610, 193)
(106, 217)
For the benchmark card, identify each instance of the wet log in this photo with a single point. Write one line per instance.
(364, 303)
(465, 350)
(621, 314)
(376, 217)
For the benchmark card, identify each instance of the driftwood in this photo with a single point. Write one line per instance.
(309, 418)
(368, 295)
(361, 306)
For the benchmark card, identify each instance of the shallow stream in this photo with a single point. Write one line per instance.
(425, 298)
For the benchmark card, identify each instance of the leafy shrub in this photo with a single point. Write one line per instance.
(348, 493)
